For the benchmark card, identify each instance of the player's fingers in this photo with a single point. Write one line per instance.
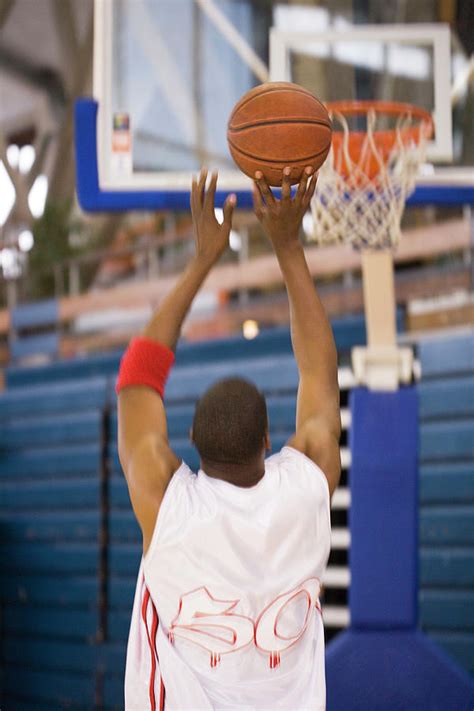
(264, 188)
(286, 185)
(194, 200)
(202, 185)
(211, 192)
(303, 183)
(310, 189)
(258, 204)
(230, 203)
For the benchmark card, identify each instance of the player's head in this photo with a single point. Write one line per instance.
(230, 423)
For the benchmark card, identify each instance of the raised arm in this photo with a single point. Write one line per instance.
(145, 455)
(318, 421)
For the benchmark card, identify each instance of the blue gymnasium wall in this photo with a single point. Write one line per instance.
(70, 545)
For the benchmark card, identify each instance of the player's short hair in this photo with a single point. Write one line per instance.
(230, 422)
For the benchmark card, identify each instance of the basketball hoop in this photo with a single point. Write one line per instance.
(360, 197)
(368, 175)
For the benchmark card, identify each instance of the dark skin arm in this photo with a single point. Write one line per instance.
(318, 423)
(145, 455)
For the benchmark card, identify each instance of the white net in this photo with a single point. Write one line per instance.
(364, 207)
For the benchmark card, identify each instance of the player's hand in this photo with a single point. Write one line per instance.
(210, 236)
(281, 219)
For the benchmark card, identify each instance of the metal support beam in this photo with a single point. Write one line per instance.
(27, 72)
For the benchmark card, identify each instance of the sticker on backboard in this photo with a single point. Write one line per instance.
(121, 143)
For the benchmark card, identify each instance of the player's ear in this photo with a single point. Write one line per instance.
(268, 444)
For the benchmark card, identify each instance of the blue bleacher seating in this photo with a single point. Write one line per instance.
(44, 344)
(348, 331)
(38, 313)
(42, 315)
(447, 493)
(51, 530)
(451, 355)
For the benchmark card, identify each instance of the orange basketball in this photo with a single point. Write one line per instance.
(275, 125)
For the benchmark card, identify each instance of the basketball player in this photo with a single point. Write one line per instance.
(226, 612)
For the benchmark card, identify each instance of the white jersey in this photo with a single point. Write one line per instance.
(226, 612)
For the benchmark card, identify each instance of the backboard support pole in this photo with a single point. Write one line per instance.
(379, 297)
(380, 365)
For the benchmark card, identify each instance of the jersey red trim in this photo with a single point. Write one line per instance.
(151, 636)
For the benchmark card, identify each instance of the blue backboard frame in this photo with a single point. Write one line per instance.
(92, 198)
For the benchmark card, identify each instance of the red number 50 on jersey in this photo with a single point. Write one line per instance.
(213, 625)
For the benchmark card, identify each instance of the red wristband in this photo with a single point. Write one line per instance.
(145, 362)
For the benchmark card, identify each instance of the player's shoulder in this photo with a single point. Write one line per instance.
(298, 469)
(181, 502)
(182, 479)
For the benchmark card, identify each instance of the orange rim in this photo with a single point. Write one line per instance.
(385, 139)
(353, 108)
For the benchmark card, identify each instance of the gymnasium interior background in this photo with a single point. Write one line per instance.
(74, 288)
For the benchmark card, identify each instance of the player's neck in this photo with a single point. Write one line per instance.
(243, 475)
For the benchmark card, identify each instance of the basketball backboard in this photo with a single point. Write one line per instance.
(168, 72)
